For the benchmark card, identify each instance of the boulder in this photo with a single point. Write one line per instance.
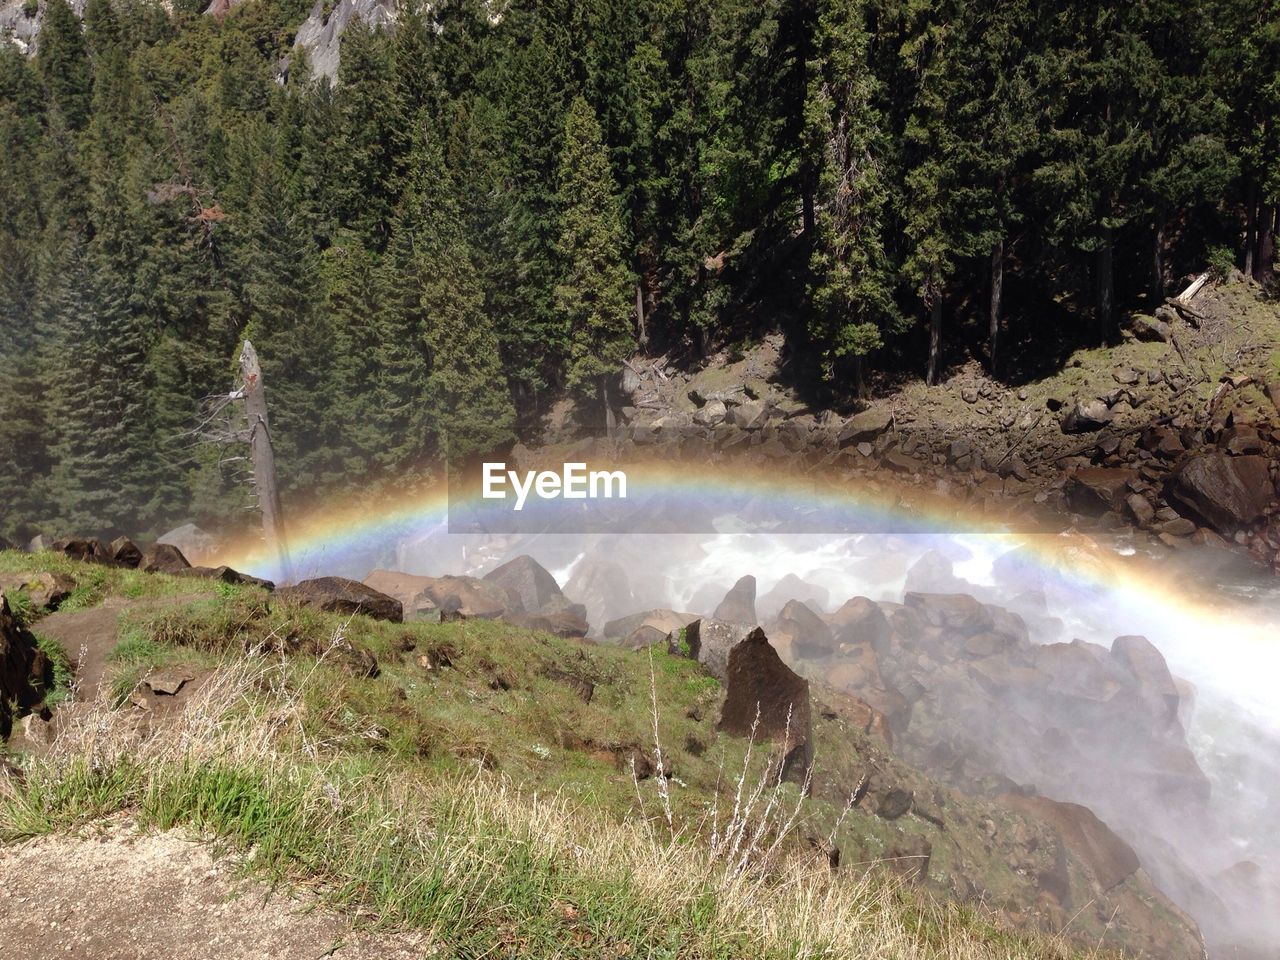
(1079, 670)
(1086, 416)
(709, 641)
(957, 614)
(1141, 508)
(195, 544)
(340, 595)
(1150, 329)
(163, 558)
(46, 591)
(806, 633)
(124, 552)
(764, 698)
(87, 551)
(739, 604)
(228, 575)
(865, 426)
(408, 588)
(562, 623)
(1147, 666)
(1227, 492)
(1240, 439)
(861, 620)
(602, 587)
(528, 583)
(1163, 442)
(751, 415)
(933, 573)
(712, 413)
(791, 587)
(1110, 860)
(666, 621)
(471, 597)
(1095, 490)
(23, 669)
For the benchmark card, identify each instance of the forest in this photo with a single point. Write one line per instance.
(495, 203)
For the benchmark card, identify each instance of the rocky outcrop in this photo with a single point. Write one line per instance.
(739, 604)
(539, 601)
(320, 35)
(602, 587)
(647, 627)
(470, 597)
(163, 558)
(46, 591)
(125, 553)
(801, 632)
(23, 669)
(197, 545)
(409, 589)
(340, 595)
(225, 574)
(791, 587)
(1110, 860)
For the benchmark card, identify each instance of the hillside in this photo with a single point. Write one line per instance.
(497, 788)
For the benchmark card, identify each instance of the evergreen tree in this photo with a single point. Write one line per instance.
(594, 295)
(64, 63)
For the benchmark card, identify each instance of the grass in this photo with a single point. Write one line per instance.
(473, 790)
(486, 866)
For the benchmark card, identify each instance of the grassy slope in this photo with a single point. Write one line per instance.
(470, 790)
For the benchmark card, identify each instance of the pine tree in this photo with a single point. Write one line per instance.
(64, 63)
(594, 295)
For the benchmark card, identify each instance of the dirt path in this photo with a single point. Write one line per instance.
(114, 894)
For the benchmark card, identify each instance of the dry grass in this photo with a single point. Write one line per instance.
(479, 863)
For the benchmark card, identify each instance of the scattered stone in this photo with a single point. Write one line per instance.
(46, 591)
(1240, 439)
(1126, 376)
(807, 634)
(1109, 859)
(530, 585)
(752, 415)
(1095, 490)
(1179, 527)
(958, 613)
(195, 544)
(340, 595)
(167, 682)
(894, 804)
(712, 413)
(1086, 416)
(1143, 512)
(665, 621)
(470, 597)
(861, 620)
(865, 426)
(909, 858)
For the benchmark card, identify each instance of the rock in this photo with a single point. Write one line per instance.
(909, 858)
(647, 635)
(752, 415)
(1227, 492)
(1240, 439)
(228, 575)
(86, 551)
(562, 623)
(124, 552)
(1178, 527)
(409, 589)
(1125, 377)
(1147, 666)
(1086, 416)
(739, 604)
(1110, 860)
(865, 426)
(711, 413)
(470, 597)
(861, 620)
(1163, 442)
(894, 804)
(1273, 392)
(665, 621)
(1150, 329)
(1143, 512)
(163, 558)
(38, 543)
(764, 698)
(23, 670)
(196, 544)
(933, 573)
(602, 587)
(340, 595)
(46, 591)
(969, 394)
(1095, 490)
(167, 682)
(957, 613)
(790, 588)
(807, 633)
(530, 584)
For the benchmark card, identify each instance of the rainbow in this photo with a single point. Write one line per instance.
(1206, 635)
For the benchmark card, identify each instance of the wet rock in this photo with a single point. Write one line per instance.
(196, 545)
(807, 634)
(410, 590)
(1147, 666)
(340, 595)
(602, 587)
(470, 597)
(664, 621)
(957, 613)
(1228, 492)
(534, 589)
(1110, 860)
(227, 574)
(739, 604)
(562, 623)
(791, 587)
(764, 697)
(861, 620)
(1143, 512)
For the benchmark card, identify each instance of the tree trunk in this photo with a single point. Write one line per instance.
(1250, 228)
(1157, 263)
(610, 424)
(264, 458)
(935, 340)
(997, 295)
(1265, 266)
(859, 377)
(644, 333)
(1105, 281)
